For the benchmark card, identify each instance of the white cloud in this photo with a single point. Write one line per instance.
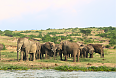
(12, 8)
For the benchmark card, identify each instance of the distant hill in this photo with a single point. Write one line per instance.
(101, 35)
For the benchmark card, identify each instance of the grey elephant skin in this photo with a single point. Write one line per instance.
(87, 49)
(26, 47)
(98, 49)
(38, 51)
(1, 47)
(48, 48)
(69, 48)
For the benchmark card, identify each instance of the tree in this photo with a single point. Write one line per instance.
(86, 32)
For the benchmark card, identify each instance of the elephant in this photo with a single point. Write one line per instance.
(38, 52)
(67, 47)
(98, 49)
(1, 47)
(26, 47)
(81, 52)
(48, 48)
(87, 49)
(57, 49)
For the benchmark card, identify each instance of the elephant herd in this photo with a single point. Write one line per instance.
(36, 50)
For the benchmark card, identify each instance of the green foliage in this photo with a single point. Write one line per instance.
(114, 47)
(8, 33)
(18, 34)
(86, 32)
(107, 46)
(80, 39)
(4, 48)
(27, 31)
(48, 29)
(91, 68)
(110, 32)
(9, 54)
(12, 68)
(1, 32)
(75, 34)
(54, 33)
(88, 41)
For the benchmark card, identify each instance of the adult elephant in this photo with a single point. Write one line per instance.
(69, 48)
(1, 47)
(26, 47)
(38, 52)
(87, 49)
(98, 49)
(48, 48)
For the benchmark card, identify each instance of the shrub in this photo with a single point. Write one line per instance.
(107, 46)
(114, 47)
(4, 48)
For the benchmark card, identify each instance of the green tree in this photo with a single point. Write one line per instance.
(86, 32)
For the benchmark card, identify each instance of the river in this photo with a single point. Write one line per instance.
(54, 74)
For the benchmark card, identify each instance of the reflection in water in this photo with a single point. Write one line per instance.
(54, 74)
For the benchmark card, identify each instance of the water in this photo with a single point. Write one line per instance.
(54, 74)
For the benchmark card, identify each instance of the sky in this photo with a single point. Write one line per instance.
(44, 14)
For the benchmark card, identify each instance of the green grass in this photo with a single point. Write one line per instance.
(109, 56)
(92, 68)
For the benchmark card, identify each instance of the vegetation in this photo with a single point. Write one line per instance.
(4, 48)
(91, 68)
(10, 67)
(86, 32)
(110, 32)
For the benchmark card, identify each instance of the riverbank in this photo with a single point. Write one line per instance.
(57, 66)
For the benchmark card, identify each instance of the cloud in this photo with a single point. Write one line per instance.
(13, 8)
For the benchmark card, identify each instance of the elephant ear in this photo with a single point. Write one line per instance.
(47, 45)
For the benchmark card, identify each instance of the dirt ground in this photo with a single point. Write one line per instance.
(49, 64)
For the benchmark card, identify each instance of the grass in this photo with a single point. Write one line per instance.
(92, 68)
(12, 56)
(109, 56)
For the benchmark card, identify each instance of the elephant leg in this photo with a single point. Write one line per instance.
(91, 55)
(86, 54)
(81, 55)
(27, 59)
(24, 55)
(45, 54)
(42, 56)
(39, 55)
(78, 54)
(21, 56)
(74, 54)
(60, 55)
(66, 57)
(101, 55)
(74, 58)
(71, 55)
(30, 56)
(33, 56)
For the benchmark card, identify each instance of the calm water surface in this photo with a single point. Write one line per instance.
(54, 74)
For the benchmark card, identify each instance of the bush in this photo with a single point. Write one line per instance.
(4, 48)
(107, 46)
(114, 47)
